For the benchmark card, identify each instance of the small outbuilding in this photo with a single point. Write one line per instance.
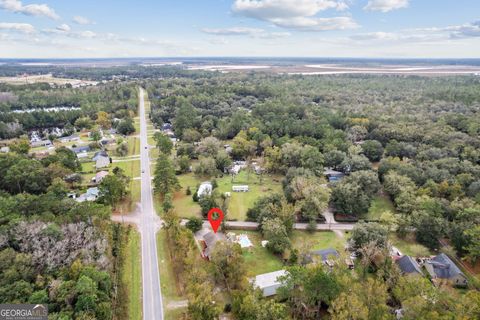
(243, 188)
(269, 282)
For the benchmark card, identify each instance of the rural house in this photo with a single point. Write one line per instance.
(268, 282)
(441, 267)
(408, 266)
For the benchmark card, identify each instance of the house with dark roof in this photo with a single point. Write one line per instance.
(441, 267)
(99, 154)
(81, 149)
(210, 239)
(408, 266)
(327, 256)
(333, 176)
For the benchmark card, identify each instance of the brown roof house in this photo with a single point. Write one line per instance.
(210, 239)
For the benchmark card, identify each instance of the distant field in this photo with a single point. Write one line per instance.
(48, 78)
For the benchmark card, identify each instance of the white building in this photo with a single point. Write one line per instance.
(268, 282)
(240, 188)
(205, 189)
(102, 162)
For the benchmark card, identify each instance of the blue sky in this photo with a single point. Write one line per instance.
(314, 28)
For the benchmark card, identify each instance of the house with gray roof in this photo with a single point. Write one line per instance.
(408, 266)
(81, 149)
(441, 267)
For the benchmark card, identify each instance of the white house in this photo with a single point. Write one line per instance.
(73, 137)
(243, 188)
(99, 176)
(205, 189)
(102, 162)
(268, 282)
(91, 195)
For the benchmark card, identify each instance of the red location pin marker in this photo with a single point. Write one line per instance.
(215, 223)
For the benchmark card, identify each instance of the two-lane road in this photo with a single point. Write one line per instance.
(152, 293)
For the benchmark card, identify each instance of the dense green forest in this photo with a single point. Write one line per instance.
(414, 140)
(421, 133)
(53, 249)
(117, 99)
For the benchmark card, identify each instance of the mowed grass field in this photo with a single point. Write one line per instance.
(259, 260)
(239, 202)
(132, 275)
(379, 205)
(317, 240)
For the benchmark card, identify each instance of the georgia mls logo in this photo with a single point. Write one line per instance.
(23, 312)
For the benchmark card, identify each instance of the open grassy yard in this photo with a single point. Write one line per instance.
(170, 292)
(131, 168)
(167, 274)
(379, 205)
(258, 259)
(239, 201)
(133, 145)
(132, 275)
(136, 124)
(409, 246)
(317, 240)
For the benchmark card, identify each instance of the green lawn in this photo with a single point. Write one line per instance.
(133, 145)
(167, 273)
(258, 259)
(135, 189)
(317, 240)
(379, 205)
(132, 275)
(409, 246)
(136, 124)
(239, 203)
(131, 168)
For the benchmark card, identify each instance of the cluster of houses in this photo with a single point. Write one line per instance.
(440, 269)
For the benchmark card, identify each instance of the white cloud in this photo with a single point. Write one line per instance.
(20, 27)
(87, 34)
(375, 36)
(64, 28)
(270, 9)
(40, 10)
(317, 24)
(386, 5)
(423, 35)
(235, 31)
(82, 20)
(295, 14)
(244, 31)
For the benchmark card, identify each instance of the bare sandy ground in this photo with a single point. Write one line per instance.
(333, 69)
